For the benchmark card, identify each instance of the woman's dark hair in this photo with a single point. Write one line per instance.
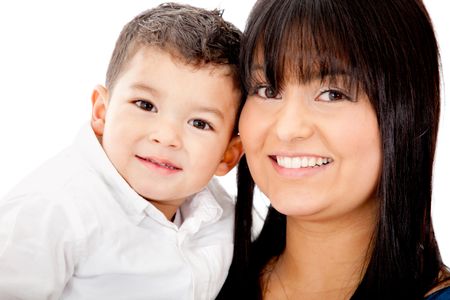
(389, 50)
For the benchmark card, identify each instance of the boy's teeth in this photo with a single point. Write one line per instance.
(302, 162)
(164, 165)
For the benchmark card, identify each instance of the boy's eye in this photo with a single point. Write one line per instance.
(332, 95)
(200, 124)
(145, 105)
(267, 91)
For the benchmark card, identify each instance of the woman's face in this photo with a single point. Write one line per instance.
(313, 149)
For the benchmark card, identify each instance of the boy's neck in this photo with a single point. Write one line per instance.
(168, 208)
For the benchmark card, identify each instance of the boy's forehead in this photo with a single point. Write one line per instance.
(226, 75)
(216, 69)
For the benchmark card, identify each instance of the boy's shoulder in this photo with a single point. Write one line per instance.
(50, 191)
(42, 201)
(48, 176)
(58, 178)
(68, 189)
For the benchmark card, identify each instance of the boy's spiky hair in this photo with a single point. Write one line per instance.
(194, 35)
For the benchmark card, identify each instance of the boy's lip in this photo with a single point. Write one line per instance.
(162, 162)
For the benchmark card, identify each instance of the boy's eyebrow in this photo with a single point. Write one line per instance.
(211, 110)
(205, 109)
(144, 87)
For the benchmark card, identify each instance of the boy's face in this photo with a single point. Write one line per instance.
(166, 126)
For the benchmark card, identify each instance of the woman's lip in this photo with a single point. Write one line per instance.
(296, 155)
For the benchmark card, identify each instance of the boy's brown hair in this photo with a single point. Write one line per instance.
(195, 36)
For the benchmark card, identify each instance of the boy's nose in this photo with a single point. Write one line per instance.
(166, 134)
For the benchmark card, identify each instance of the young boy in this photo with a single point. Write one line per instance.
(129, 211)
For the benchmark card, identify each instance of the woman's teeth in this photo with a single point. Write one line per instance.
(302, 161)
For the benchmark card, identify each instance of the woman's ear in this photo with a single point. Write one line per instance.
(231, 156)
(99, 100)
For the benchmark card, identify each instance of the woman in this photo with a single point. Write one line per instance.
(339, 130)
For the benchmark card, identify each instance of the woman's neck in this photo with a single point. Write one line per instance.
(322, 259)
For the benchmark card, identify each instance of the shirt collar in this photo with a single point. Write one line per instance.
(200, 210)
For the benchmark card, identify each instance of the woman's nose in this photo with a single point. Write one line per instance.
(294, 120)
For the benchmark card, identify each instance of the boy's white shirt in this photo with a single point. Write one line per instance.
(74, 229)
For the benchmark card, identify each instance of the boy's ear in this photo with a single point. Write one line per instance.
(231, 157)
(99, 100)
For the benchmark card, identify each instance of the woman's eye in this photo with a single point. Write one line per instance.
(145, 105)
(200, 124)
(332, 95)
(267, 92)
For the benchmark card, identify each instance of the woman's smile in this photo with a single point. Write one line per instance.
(299, 166)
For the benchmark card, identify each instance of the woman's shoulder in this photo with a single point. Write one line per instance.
(442, 290)
(442, 294)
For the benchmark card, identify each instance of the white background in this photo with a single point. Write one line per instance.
(53, 52)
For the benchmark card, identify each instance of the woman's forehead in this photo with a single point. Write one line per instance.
(299, 69)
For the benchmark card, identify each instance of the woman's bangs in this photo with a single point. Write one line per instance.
(306, 45)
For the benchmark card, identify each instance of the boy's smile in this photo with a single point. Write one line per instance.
(166, 125)
(161, 165)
